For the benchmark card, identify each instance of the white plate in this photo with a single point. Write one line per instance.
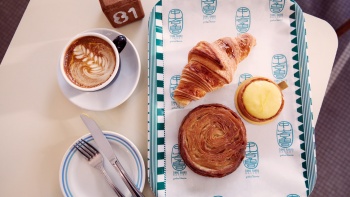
(118, 91)
(78, 178)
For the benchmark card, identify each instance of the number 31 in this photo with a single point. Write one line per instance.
(121, 16)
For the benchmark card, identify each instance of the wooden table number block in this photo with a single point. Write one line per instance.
(122, 12)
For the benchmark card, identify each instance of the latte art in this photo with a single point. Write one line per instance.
(89, 61)
(91, 65)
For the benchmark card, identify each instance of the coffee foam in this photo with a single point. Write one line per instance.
(89, 61)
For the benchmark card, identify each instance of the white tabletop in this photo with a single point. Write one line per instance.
(38, 123)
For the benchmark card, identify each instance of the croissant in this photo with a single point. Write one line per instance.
(211, 66)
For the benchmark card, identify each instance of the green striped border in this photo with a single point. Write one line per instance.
(156, 119)
(304, 100)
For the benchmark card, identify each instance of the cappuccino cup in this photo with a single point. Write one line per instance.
(89, 61)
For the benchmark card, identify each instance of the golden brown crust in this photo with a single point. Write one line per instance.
(212, 140)
(241, 107)
(211, 66)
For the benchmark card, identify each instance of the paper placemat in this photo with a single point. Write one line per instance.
(284, 151)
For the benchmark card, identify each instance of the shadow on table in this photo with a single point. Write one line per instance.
(331, 132)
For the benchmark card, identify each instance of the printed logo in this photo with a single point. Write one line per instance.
(284, 133)
(174, 82)
(175, 20)
(243, 19)
(293, 195)
(251, 160)
(175, 25)
(285, 136)
(178, 164)
(276, 6)
(208, 6)
(176, 160)
(243, 77)
(279, 66)
(208, 9)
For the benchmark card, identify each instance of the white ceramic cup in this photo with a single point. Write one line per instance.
(88, 57)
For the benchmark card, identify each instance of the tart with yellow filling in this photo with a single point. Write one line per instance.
(212, 140)
(259, 100)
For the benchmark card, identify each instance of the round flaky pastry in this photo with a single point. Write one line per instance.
(259, 100)
(212, 140)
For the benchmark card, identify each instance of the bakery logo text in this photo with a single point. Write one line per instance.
(208, 9)
(209, 6)
(251, 160)
(284, 135)
(174, 81)
(244, 77)
(243, 19)
(177, 163)
(175, 25)
(276, 7)
(279, 66)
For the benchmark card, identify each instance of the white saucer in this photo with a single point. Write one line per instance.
(78, 178)
(118, 91)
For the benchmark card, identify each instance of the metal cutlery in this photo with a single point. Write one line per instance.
(95, 159)
(106, 149)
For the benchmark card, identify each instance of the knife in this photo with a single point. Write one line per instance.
(106, 148)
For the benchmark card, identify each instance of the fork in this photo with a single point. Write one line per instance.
(95, 159)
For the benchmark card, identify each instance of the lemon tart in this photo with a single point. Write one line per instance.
(259, 100)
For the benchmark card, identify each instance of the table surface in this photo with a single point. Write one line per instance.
(38, 123)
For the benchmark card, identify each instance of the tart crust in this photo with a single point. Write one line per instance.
(212, 140)
(258, 100)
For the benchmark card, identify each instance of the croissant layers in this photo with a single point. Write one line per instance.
(211, 66)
